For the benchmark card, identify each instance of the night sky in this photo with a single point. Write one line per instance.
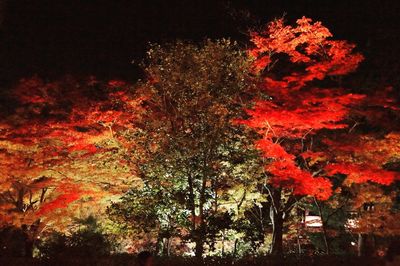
(52, 38)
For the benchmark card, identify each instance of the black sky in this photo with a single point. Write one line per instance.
(58, 37)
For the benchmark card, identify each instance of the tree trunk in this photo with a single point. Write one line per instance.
(199, 246)
(223, 243)
(160, 245)
(325, 236)
(298, 242)
(201, 230)
(277, 232)
(197, 231)
(235, 247)
(366, 245)
(167, 242)
(324, 228)
(360, 246)
(194, 229)
(29, 248)
(30, 235)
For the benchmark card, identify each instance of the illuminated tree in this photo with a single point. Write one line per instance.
(59, 147)
(369, 157)
(300, 110)
(197, 155)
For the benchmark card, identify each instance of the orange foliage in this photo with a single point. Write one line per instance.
(58, 131)
(380, 220)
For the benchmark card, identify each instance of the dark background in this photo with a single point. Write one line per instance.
(52, 38)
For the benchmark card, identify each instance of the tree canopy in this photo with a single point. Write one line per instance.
(216, 144)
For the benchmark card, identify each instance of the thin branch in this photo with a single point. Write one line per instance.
(355, 124)
(303, 138)
(270, 127)
(272, 198)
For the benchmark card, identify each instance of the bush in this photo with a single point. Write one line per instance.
(12, 242)
(89, 241)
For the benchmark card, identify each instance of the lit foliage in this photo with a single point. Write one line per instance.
(306, 45)
(69, 143)
(297, 111)
(64, 144)
(199, 164)
(361, 173)
(309, 136)
(287, 174)
(375, 211)
(366, 157)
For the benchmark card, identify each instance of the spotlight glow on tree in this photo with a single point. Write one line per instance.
(299, 110)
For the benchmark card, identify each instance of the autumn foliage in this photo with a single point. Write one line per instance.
(58, 146)
(211, 132)
(296, 64)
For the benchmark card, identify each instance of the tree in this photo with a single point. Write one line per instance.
(299, 111)
(197, 155)
(374, 204)
(58, 146)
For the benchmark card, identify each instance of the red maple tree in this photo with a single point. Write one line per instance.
(299, 110)
(62, 144)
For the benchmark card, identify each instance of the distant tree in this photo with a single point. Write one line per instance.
(379, 157)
